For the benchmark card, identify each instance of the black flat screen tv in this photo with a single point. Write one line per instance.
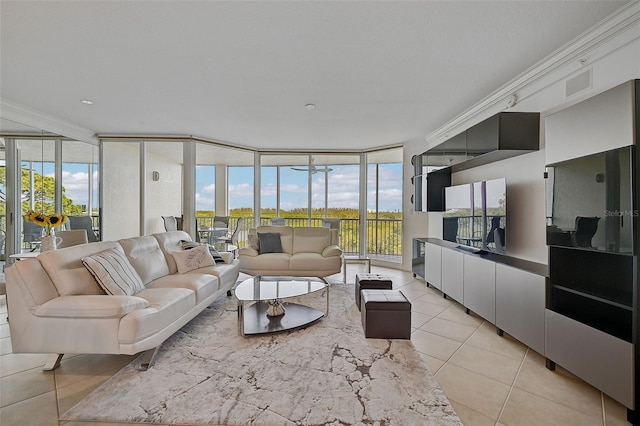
(475, 215)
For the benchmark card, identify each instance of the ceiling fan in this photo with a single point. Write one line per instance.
(312, 168)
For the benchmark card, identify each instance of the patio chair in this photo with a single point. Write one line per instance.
(170, 223)
(277, 221)
(238, 233)
(31, 233)
(72, 237)
(86, 223)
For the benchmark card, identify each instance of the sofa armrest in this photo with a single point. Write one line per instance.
(100, 306)
(332, 251)
(248, 251)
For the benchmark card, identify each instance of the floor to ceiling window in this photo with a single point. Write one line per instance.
(80, 179)
(283, 191)
(384, 204)
(48, 174)
(241, 191)
(336, 196)
(305, 189)
(37, 186)
(224, 185)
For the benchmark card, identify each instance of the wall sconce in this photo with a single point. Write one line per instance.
(155, 176)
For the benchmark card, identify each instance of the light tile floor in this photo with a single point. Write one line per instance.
(490, 380)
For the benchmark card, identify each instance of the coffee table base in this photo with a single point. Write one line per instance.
(253, 319)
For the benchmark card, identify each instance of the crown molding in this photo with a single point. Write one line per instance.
(29, 117)
(613, 32)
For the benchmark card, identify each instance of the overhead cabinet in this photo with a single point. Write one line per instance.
(501, 136)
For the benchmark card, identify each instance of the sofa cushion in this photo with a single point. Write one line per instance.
(114, 273)
(203, 285)
(286, 235)
(265, 262)
(166, 306)
(226, 273)
(68, 273)
(314, 262)
(146, 257)
(91, 306)
(269, 242)
(311, 239)
(169, 242)
(197, 257)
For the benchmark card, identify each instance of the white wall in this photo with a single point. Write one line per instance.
(120, 190)
(163, 197)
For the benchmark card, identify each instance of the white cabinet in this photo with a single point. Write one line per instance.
(520, 305)
(598, 358)
(452, 274)
(480, 287)
(507, 292)
(600, 123)
(433, 265)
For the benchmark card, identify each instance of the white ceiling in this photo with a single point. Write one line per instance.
(241, 72)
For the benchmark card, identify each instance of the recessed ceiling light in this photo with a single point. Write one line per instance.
(310, 106)
(87, 102)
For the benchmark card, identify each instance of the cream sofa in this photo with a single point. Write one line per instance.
(306, 251)
(56, 306)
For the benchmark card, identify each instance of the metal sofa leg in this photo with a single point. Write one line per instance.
(147, 358)
(53, 362)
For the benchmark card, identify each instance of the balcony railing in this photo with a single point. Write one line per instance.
(384, 236)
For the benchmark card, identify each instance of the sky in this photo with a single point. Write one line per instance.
(343, 186)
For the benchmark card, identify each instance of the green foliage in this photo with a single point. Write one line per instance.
(384, 233)
(43, 193)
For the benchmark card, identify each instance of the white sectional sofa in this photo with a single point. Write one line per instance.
(304, 252)
(56, 306)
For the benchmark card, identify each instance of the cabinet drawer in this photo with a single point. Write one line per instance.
(433, 265)
(520, 297)
(452, 274)
(480, 287)
(603, 360)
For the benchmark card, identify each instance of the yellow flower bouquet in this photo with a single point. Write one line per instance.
(48, 222)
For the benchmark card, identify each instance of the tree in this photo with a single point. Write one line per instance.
(43, 193)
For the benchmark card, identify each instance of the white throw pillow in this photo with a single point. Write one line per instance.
(114, 272)
(195, 258)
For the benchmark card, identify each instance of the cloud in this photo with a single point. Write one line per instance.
(76, 186)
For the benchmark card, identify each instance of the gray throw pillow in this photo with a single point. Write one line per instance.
(269, 242)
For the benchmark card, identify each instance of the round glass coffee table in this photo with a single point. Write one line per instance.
(254, 293)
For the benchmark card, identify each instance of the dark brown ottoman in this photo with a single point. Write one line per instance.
(386, 314)
(371, 282)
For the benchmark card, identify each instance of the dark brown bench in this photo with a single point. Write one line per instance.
(386, 314)
(371, 282)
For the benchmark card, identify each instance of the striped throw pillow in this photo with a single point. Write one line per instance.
(114, 272)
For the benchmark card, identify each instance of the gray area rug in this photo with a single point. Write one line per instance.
(327, 373)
